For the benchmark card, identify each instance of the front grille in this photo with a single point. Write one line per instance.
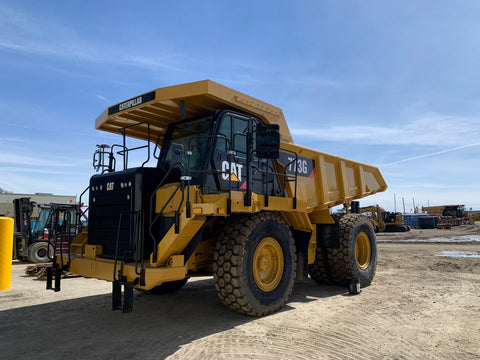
(116, 199)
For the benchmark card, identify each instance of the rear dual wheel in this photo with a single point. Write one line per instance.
(356, 256)
(254, 264)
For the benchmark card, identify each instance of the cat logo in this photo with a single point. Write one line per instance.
(110, 186)
(232, 171)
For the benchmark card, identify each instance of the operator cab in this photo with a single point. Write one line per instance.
(221, 152)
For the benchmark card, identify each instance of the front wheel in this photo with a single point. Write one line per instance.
(357, 255)
(40, 252)
(254, 264)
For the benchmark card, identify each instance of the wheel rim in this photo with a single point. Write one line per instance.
(363, 251)
(42, 252)
(268, 264)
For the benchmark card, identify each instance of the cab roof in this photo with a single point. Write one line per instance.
(161, 107)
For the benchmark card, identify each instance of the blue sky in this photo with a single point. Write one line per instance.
(394, 83)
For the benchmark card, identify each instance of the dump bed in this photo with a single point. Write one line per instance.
(324, 180)
(327, 180)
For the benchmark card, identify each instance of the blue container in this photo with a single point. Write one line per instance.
(412, 220)
(427, 222)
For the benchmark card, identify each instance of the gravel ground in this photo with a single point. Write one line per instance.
(424, 303)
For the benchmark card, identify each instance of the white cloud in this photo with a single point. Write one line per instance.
(45, 162)
(431, 154)
(309, 81)
(430, 130)
(9, 170)
(28, 34)
(13, 140)
(18, 182)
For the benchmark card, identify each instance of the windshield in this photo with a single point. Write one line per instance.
(194, 136)
(42, 220)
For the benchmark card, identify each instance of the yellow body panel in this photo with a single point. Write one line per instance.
(202, 257)
(92, 251)
(336, 180)
(78, 246)
(173, 243)
(103, 269)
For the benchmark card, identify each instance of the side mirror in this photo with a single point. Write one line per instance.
(268, 141)
(177, 152)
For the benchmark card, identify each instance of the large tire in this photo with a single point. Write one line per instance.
(357, 255)
(254, 264)
(319, 270)
(40, 252)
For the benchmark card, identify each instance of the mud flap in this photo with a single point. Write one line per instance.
(302, 240)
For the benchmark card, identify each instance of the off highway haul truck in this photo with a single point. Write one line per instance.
(231, 196)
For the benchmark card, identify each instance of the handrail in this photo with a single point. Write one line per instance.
(101, 151)
(126, 150)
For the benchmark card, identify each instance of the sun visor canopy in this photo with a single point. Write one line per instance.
(163, 106)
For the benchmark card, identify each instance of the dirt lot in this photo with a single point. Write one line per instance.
(423, 304)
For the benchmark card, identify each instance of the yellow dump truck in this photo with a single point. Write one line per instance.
(385, 221)
(231, 196)
(450, 215)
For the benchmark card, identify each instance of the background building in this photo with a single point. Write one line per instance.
(6, 201)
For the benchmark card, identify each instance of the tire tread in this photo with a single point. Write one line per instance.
(228, 259)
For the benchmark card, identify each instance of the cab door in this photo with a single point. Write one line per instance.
(229, 154)
(231, 166)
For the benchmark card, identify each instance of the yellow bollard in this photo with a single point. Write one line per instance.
(6, 251)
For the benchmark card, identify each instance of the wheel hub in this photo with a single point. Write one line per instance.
(42, 252)
(363, 250)
(268, 264)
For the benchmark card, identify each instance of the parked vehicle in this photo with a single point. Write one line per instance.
(231, 196)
